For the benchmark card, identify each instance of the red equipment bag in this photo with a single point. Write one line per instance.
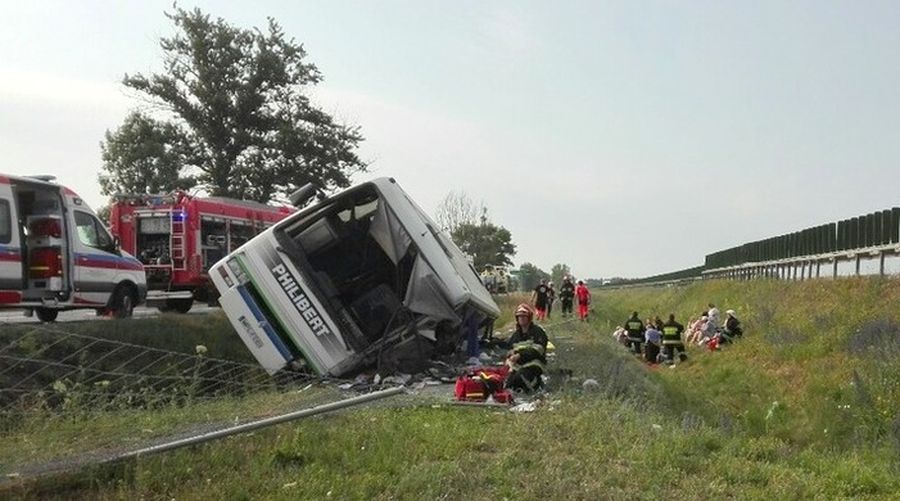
(482, 383)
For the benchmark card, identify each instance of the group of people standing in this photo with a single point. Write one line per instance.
(544, 295)
(662, 342)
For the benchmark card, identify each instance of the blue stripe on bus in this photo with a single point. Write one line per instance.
(264, 323)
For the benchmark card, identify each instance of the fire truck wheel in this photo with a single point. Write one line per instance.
(122, 303)
(180, 305)
(46, 314)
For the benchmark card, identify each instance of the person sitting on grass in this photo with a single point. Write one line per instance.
(621, 335)
(710, 331)
(696, 328)
(528, 354)
(731, 329)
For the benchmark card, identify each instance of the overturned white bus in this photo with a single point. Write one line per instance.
(361, 278)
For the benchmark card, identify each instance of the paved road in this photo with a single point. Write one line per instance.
(18, 316)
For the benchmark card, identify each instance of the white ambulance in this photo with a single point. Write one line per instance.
(55, 254)
(360, 279)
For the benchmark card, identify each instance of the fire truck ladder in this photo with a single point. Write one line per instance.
(177, 241)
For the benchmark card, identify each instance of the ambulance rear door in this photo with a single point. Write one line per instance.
(11, 270)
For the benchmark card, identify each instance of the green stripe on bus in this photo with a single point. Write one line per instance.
(278, 319)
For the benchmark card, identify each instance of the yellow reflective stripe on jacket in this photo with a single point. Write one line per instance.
(528, 345)
(533, 363)
(670, 331)
(671, 341)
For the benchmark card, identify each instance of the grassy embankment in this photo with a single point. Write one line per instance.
(67, 413)
(806, 405)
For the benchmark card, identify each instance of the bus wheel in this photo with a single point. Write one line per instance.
(180, 305)
(46, 314)
(122, 303)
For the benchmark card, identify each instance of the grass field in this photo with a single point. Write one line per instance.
(805, 406)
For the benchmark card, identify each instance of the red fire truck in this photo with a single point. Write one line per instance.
(178, 237)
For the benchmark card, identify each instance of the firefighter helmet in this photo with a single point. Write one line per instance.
(524, 310)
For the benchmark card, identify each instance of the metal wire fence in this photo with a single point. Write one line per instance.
(54, 371)
(70, 399)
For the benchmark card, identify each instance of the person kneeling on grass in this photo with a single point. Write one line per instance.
(672, 331)
(527, 357)
(652, 343)
(635, 329)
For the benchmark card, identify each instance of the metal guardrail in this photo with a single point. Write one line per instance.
(799, 255)
(872, 231)
(805, 267)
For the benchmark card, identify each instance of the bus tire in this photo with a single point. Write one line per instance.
(46, 314)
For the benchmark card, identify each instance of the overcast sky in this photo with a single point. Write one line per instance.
(623, 138)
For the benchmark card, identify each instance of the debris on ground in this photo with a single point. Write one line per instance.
(525, 407)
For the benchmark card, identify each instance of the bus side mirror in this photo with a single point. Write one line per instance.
(300, 197)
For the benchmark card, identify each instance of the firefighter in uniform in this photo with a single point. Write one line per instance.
(672, 342)
(635, 329)
(527, 357)
(567, 295)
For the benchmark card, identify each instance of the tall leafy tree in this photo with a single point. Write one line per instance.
(487, 243)
(144, 156)
(558, 272)
(530, 275)
(238, 97)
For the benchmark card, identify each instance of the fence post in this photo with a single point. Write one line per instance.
(818, 268)
(835, 266)
(881, 264)
(858, 258)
